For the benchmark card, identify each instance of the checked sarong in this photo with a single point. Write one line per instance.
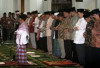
(21, 54)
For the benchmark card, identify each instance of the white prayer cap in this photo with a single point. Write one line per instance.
(25, 13)
(56, 13)
(17, 12)
(39, 14)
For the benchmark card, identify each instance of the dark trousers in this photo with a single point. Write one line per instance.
(37, 47)
(96, 57)
(40, 43)
(68, 49)
(4, 34)
(89, 55)
(45, 44)
(92, 57)
(74, 53)
(80, 48)
(10, 34)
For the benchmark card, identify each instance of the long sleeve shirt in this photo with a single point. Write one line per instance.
(96, 34)
(22, 34)
(81, 25)
(48, 26)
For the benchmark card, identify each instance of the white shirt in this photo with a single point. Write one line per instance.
(42, 24)
(81, 24)
(49, 23)
(36, 24)
(22, 34)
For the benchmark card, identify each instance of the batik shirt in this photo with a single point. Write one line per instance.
(88, 32)
(96, 34)
(60, 30)
(66, 31)
(63, 32)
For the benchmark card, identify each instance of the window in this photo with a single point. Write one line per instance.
(79, 0)
(61, 4)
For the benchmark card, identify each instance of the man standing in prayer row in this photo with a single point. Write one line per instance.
(60, 35)
(22, 36)
(10, 26)
(31, 30)
(66, 34)
(79, 39)
(55, 43)
(48, 30)
(3, 23)
(88, 39)
(96, 37)
(73, 21)
(39, 33)
(43, 31)
(36, 23)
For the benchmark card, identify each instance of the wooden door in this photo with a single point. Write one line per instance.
(22, 6)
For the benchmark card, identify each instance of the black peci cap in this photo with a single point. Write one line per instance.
(72, 9)
(60, 10)
(34, 12)
(52, 12)
(23, 16)
(86, 14)
(60, 15)
(17, 11)
(95, 11)
(66, 10)
(47, 13)
(29, 13)
(80, 10)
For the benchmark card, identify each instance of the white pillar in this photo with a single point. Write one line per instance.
(98, 4)
(4, 5)
(40, 5)
(73, 3)
(33, 5)
(10, 7)
(47, 5)
(27, 6)
(17, 5)
(0, 8)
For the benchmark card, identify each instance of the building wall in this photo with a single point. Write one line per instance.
(27, 5)
(47, 5)
(30, 5)
(0, 8)
(9, 6)
(98, 4)
(86, 4)
(6, 6)
(42, 5)
(33, 5)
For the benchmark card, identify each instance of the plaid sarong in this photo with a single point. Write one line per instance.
(21, 54)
